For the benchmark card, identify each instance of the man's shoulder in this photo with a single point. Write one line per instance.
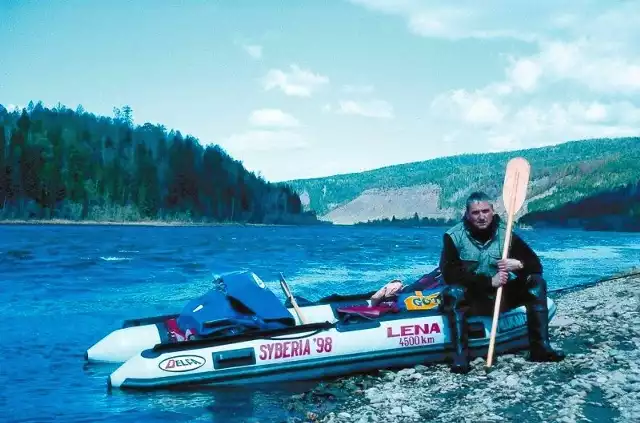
(455, 229)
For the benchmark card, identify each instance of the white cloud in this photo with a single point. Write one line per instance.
(273, 118)
(373, 108)
(358, 89)
(264, 141)
(524, 74)
(297, 82)
(598, 67)
(253, 50)
(582, 82)
(474, 108)
(443, 19)
(548, 123)
(591, 44)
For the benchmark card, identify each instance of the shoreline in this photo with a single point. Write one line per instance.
(598, 326)
(178, 223)
(154, 223)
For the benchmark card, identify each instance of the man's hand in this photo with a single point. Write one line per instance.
(389, 290)
(510, 264)
(499, 279)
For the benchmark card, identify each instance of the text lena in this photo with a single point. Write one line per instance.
(409, 330)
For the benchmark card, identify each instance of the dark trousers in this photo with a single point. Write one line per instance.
(529, 291)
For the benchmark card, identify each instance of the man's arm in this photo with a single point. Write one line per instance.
(453, 269)
(520, 250)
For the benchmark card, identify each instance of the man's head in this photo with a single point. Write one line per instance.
(479, 211)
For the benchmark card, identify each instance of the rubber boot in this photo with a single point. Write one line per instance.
(456, 315)
(459, 335)
(538, 324)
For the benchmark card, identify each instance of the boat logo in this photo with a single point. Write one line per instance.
(182, 363)
(422, 302)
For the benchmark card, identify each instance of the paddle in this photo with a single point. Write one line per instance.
(287, 292)
(514, 191)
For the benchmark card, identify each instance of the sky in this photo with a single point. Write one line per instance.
(302, 89)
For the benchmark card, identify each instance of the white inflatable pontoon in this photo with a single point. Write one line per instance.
(342, 335)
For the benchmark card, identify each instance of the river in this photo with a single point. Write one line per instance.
(66, 286)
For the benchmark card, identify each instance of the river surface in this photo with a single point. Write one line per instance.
(65, 287)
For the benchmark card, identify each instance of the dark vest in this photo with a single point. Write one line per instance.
(477, 257)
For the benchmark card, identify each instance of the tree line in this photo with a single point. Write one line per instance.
(63, 164)
(410, 222)
(615, 210)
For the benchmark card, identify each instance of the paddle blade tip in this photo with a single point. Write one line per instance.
(516, 181)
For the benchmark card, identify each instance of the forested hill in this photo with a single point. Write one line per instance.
(66, 164)
(437, 188)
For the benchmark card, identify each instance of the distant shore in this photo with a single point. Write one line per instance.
(129, 223)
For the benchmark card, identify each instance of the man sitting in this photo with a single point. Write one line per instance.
(472, 268)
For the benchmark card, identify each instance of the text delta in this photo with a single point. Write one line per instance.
(182, 363)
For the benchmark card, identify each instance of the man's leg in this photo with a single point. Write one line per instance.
(456, 309)
(532, 293)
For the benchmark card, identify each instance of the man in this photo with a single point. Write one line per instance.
(473, 269)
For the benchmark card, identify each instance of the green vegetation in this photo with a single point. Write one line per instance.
(64, 164)
(559, 174)
(413, 222)
(617, 210)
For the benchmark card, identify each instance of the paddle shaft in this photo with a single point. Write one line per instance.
(287, 292)
(505, 253)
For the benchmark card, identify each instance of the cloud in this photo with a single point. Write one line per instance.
(273, 118)
(474, 108)
(253, 50)
(593, 45)
(379, 109)
(297, 82)
(547, 123)
(443, 19)
(264, 141)
(599, 67)
(357, 89)
(581, 81)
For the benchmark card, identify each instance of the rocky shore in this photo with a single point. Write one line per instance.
(598, 326)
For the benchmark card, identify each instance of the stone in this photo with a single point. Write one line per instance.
(600, 375)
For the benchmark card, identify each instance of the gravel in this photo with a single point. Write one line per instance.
(597, 326)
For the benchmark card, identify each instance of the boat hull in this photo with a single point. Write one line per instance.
(317, 350)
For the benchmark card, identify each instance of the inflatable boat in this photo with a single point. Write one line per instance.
(240, 332)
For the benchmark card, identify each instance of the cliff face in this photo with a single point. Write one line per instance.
(561, 174)
(379, 203)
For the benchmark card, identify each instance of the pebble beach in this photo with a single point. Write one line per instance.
(598, 326)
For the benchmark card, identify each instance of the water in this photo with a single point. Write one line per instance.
(65, 287)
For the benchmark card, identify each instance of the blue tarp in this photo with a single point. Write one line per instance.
(239, 301)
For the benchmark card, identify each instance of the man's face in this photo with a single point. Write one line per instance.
(480, 214)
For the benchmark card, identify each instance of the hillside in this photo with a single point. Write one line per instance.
(617, 209)
(437, 188)
(72, 165)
